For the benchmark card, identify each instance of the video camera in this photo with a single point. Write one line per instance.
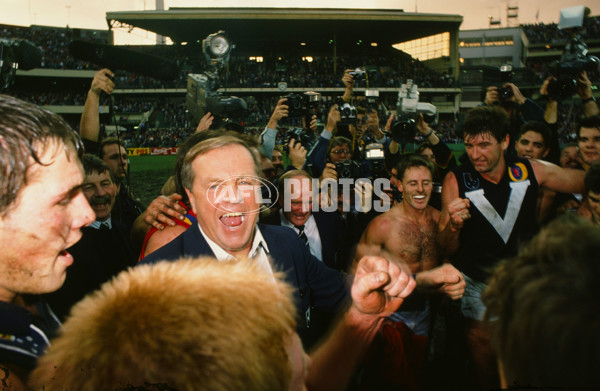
(574, 59)
(202, 97)
(17, 54)
(202, 89)
(404, 126)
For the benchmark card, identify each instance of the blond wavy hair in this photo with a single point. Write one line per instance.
(193, 324)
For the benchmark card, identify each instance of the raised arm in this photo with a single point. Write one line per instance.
(348, 81)
(379, 289)
(89, 125)
(584, 90)
(268, 136)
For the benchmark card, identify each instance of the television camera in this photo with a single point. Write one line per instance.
(574, 59)
(203, 93)
(17, 54)
(403, 128)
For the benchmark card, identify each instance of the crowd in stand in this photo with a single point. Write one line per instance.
(550, 34)
(389, 71)
(394, 269)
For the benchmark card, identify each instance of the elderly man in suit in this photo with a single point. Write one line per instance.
(224, 194)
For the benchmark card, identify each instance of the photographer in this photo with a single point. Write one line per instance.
(268, 136)
(365, 132)
(302, 136)
(518, 108)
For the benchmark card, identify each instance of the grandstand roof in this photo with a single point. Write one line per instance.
(260, 28)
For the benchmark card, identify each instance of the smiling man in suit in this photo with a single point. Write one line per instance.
(223, 192)
(322, 231)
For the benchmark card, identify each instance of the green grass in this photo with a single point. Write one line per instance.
(148, 174)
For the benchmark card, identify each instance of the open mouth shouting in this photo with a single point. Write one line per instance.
(232, 220)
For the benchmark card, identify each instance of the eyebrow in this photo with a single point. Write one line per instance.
(69, 193)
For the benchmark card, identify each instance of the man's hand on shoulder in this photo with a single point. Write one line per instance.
(163, 210)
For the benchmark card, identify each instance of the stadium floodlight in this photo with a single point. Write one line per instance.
(216, 48)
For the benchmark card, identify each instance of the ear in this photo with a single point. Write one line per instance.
(546, 152)
(399, 185)
(505, 142)
(192, 201)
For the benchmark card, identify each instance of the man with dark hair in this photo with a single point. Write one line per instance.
(394, 234)
(588, 140)
(42, 209)
(163, 210)
(569, 156)
(406, 234)
(128, 206)
(543, 310)
(518, 108)
(533, 141)
(104, 249)
(488, 210)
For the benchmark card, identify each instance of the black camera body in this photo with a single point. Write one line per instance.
(358, 74)
(307, 138)
(347, 114)
(21, 54)
(505, 93)
(573, 61)
(348, 169)
(300, 105)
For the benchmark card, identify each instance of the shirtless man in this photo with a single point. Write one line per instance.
(407, 233)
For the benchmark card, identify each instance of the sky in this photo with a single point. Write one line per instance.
(92, 13)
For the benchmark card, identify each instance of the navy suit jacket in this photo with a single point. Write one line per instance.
(316, 284)
(331, 231)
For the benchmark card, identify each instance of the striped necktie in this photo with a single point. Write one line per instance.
(301, 233)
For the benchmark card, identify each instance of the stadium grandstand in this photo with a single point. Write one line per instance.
(277, 51)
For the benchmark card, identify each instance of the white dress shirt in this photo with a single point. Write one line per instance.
(258, 252)
(311, 231)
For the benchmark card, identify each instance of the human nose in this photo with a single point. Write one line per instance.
(84, 214)
(420, 187)
(99, 190)
(241, 192)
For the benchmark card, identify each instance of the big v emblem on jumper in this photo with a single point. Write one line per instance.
(504, 226)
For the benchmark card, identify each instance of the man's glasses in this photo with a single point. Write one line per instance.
(340, 151)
